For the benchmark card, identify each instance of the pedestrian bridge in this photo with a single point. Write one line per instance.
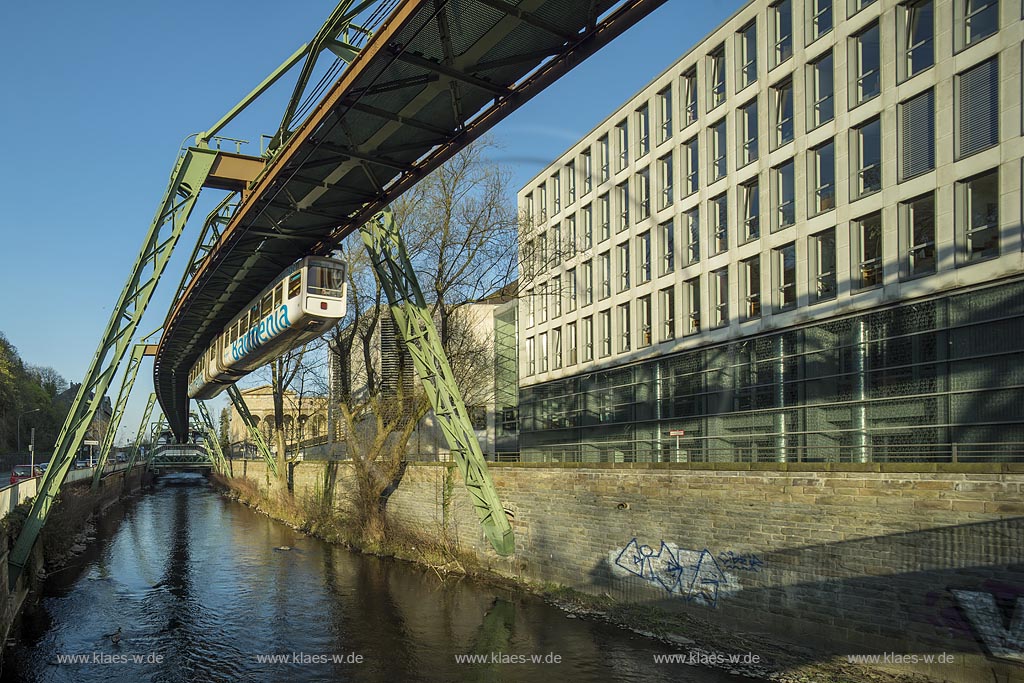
(180, 457)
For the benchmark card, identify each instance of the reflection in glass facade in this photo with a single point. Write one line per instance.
(933, 380)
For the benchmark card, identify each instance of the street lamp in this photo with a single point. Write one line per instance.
(34, 410)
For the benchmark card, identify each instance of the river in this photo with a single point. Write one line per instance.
(202, 591)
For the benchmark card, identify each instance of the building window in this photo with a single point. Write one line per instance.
(571, 239)
(605, 321)
(917, 31)
(689, 89)
(781, 14)
(542, 199)
(622, 140)
(643, 191)
(747, 55)
(542, 252)
(823, 166)
(977, 19)
(917, 135)
(867, 238)
(531, 306)
(720, 296)
(717, 142)
(719, 223)
(604, 208)
(528, 259)
(822, 87)
(692, 224)
(588, 172)
(666, 240)
(556, 193)
(692, 290)
(542, 340)
(571, 341)
(748, 132)
(623, 259)
(867, 157)
(542, 293)
(556, 348)
(691, 164)
(624, 329)
(587, 216)
(977, 93)
(667, 308)
(622, 200)
(823, 261)
(556, 296)
(643, 257)
(528, 210)
(606, 274)
(716, 77)
(531, 357)
(604, 152)
(643, 130)
(978, 214)
(917, 233)
(570, 291)
(644, 311)
(821, 17)
(556, 243)
(858, 5)
(782, 113)
(664, 114)
(866, 58)
(750, 271)
(587, 282)
(570, 183)
(750, 196)
(784, 195)
(665, 181)
(785, 276)
(588, 338)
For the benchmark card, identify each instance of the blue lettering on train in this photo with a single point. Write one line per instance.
(265, 330)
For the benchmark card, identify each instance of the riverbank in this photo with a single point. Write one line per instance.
(747, 654)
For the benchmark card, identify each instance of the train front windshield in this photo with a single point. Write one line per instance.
(326, 280)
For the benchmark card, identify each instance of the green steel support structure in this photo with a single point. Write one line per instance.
(130, 373)
(154, 439)
(187, 178)
(212, 440)
(412, 316)
(254, 432)
(141, 434)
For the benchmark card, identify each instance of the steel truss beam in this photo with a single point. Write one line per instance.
(154, 439)
(212, 440)
(187, 178)
(412, 316)
(250, 424)
(141, 434)
(127, 382)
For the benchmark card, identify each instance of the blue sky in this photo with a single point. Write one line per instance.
(97, 98)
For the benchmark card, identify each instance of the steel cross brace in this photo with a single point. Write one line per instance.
(187, 178)
(134, 361)
(142, 433)
(412, 316)
(212, 441)
(154, 439)
(254, 432)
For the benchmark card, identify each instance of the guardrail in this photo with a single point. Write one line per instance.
(13, 495)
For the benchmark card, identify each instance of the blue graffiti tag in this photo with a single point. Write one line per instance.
(748, 562)
(693, 575)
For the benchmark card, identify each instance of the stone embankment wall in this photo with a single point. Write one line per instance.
(907, 559)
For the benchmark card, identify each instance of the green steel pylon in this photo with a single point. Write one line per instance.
(187, 178)
(409, 309)
(250, 425)
(212, 441)
(154, 439)
(141, 434)
(134, 361)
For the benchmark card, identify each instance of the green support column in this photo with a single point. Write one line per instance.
(134, 361)
(187, 178)
(154, 439)
(212, 441)
(412, 316)
(250, 424)
(141, 434)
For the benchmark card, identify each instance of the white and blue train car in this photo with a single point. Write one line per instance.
(301, 304)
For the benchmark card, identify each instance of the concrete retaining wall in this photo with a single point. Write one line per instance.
(912, 559)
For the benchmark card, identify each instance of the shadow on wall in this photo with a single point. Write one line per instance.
(949, 589)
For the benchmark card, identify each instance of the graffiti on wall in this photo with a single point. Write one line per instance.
(1002, 637)
(695, 575)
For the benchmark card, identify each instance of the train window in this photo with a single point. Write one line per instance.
(265, 303)
(294, 283)
(254, 315)
(277, 295)
(326, 280)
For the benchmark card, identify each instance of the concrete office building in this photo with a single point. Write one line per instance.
(802, 241)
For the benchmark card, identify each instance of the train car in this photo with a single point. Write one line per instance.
(301, 304)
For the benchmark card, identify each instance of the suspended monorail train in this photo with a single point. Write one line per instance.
(301, 304)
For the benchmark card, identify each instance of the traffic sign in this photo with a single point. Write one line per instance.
(677, 432)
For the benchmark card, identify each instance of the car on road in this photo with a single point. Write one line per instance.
(81, 464)
(42, 466)
(23, 472)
